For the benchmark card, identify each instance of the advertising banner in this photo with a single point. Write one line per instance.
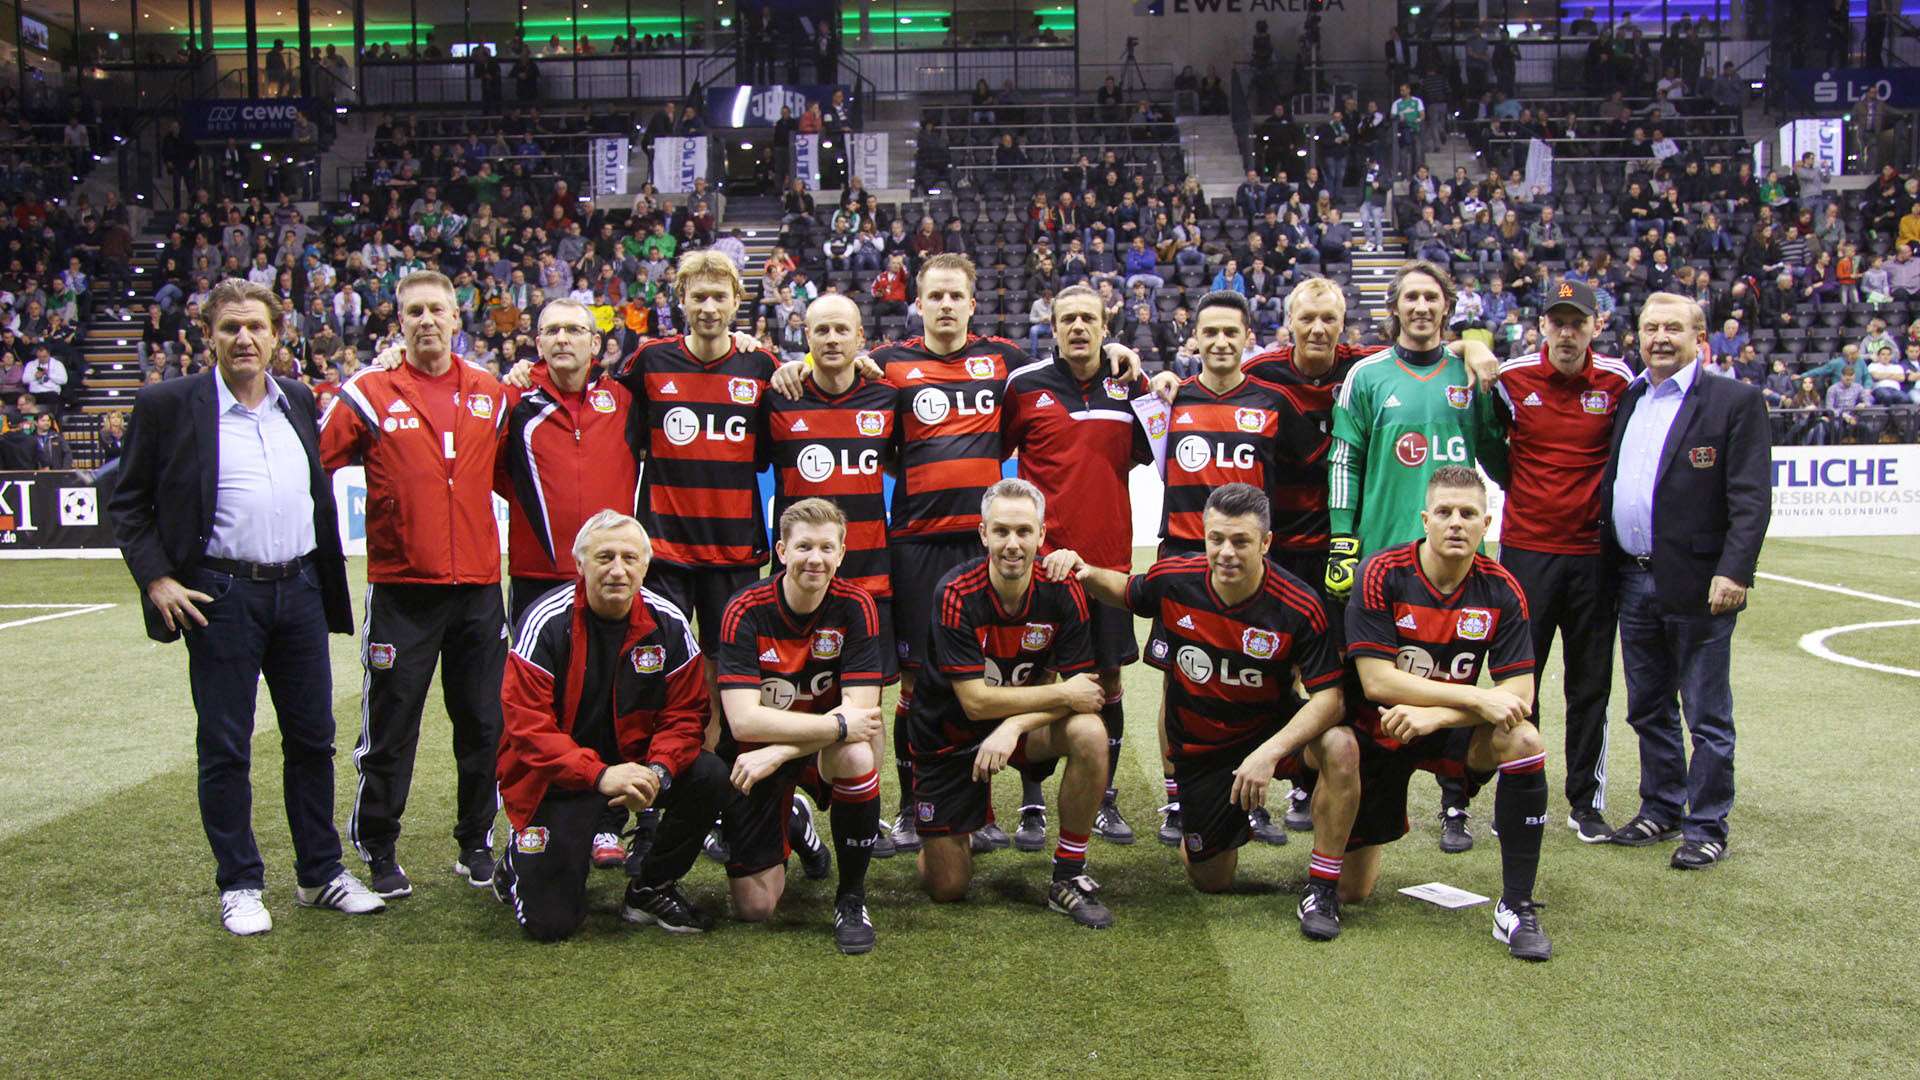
(609, 161)
(262, 119)
(868, 158)
(46, 512)
(678, 161)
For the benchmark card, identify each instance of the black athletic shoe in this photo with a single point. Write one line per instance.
(852, 930)
(1172, 831)
(1108, 825)
(816, 859)
(1320, 912)
(476, 865)
(993, 836)
(1698, 854)
(387, 878)
(1264, 830)
(715, 847)
(1032, 833)
(883, 844)
(1643, 831)
(1299, 811)
(664, 906)
(1074, 898)
(905, 834)
(503, 881)
(1589, 826)
(1518, 928)
(1455, 837)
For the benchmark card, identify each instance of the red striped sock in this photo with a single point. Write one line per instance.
(1324, 867)
(857, 789)
(1536, 763)
(1070, 855)
(1173, 788)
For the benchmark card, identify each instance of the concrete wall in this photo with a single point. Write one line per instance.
(1219, 33)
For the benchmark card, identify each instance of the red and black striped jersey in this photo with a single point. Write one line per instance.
(798, 662)
(1242, 436)
(975, 636)
(1077, 441)
(1230, 668)
(949, 431)
(1397, 615)
(839, 448)
(1299, 488)
(700, 490)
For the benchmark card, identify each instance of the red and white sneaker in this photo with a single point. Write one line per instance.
(607, 852)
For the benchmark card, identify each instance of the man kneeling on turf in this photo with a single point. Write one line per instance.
(1426, 617)
(605, 704)
(988, 698)
(1237, 627)
(800, 694)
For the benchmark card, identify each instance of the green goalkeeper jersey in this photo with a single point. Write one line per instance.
(1394, 424)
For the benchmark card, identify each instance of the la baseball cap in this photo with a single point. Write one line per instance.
(1577, 295)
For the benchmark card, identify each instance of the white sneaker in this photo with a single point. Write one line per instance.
(344, 893)
(242, 913)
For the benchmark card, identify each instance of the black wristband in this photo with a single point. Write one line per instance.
(842, 721)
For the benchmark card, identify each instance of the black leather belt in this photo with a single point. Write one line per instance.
(258, 571)
(1642, 562)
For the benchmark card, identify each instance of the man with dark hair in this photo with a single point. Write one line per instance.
(1427, 616)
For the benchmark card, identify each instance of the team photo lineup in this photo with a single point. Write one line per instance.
(676, 670)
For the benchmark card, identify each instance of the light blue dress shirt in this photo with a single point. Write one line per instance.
(1641, 449)
(263, 504)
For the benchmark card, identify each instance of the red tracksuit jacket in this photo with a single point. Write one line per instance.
(562, 460)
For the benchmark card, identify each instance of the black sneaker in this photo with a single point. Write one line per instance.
(852, 930)
(1032, 833)
(1698, 854)
(990, 837)
(905, 834)
(1264, 830)
(476, 865)
(1320, 912)
(1589, 826)
(715, 846)
(1299, 811)
(883, 844)
(503, 880)
(1455, 837)
(1518, 928)
(1643, 831)
(1108, 825)
(1172, 830)
(816, 859)
(664, 906)
(1074, 898)
(387, 878)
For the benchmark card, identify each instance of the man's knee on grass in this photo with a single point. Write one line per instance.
(1360, 873)
(1335, 755)
(1518, 742)
(757, 896)
(946, 868)
(1212, 875)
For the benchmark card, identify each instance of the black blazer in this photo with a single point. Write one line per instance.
(163, 507)
(1712, 495)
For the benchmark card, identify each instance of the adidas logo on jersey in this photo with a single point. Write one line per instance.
(799, 425)
(1185, 623)
(770, 657)
(669, 388)
(1406, 622)
(1184, 418)
(1532, 399)
(1045, 399)
(1393, 402)
(399, 406)
(916, 373)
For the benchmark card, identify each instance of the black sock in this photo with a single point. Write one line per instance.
(1031, 795)
(903, 755)
(854, 825)
(1520, 813)
(1114, 715)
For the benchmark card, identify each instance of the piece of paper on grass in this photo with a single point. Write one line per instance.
(1443, 895)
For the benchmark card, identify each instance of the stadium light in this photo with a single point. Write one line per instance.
(253, 146)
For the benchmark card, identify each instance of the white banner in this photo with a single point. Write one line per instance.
(1539, 166)
(868, 158)
(350, 502)
(1846, 491)
(677, 162)
(1821, 136)
(609, 162)
(806, 159)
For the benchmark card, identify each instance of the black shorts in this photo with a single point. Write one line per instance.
(756, 826)
(1385, 772)
(701, 595)
(1112, 631)
(918, 566)
(948, 801)
(1214, 824)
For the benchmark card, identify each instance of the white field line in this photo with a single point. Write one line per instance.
(1814, 642)
(71, 610)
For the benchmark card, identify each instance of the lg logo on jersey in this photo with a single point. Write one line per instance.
(1412, 449)
(1198, 667)
(1195, 453)
(1415, 660)
(930, 406)
(682, 425)
(1017, 675)
(781, 693)
(817, 462)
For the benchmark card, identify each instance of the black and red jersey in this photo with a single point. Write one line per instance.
(1230, 668)
(1077, 440)
(1560, 431)
(1242, 436)
(949, 431)
(700, 490)
(975, 636)
(1396, 614)
(1299, 488)
(839, 448)
(563, 458)
(798, 662)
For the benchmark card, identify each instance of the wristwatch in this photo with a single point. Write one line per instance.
(659, 770)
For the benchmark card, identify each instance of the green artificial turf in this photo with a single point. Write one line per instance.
(1793, 958)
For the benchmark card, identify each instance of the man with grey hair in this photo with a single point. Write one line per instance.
(988, 698)
(605, 704)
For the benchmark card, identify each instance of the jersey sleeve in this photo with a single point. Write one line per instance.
(860, 657)
(1370, 630)
(1490, 436)
(1316, 649)
(344, 433)
(1143, 594)
(954, 645)
(1352, 424)
(1512, 651)
(1073, 646)
(736, 654)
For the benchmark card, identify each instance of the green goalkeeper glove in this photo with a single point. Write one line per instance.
(1343, 555)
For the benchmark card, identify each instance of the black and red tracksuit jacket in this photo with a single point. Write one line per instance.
(659, 699)
(564, 458)
(429, 492)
